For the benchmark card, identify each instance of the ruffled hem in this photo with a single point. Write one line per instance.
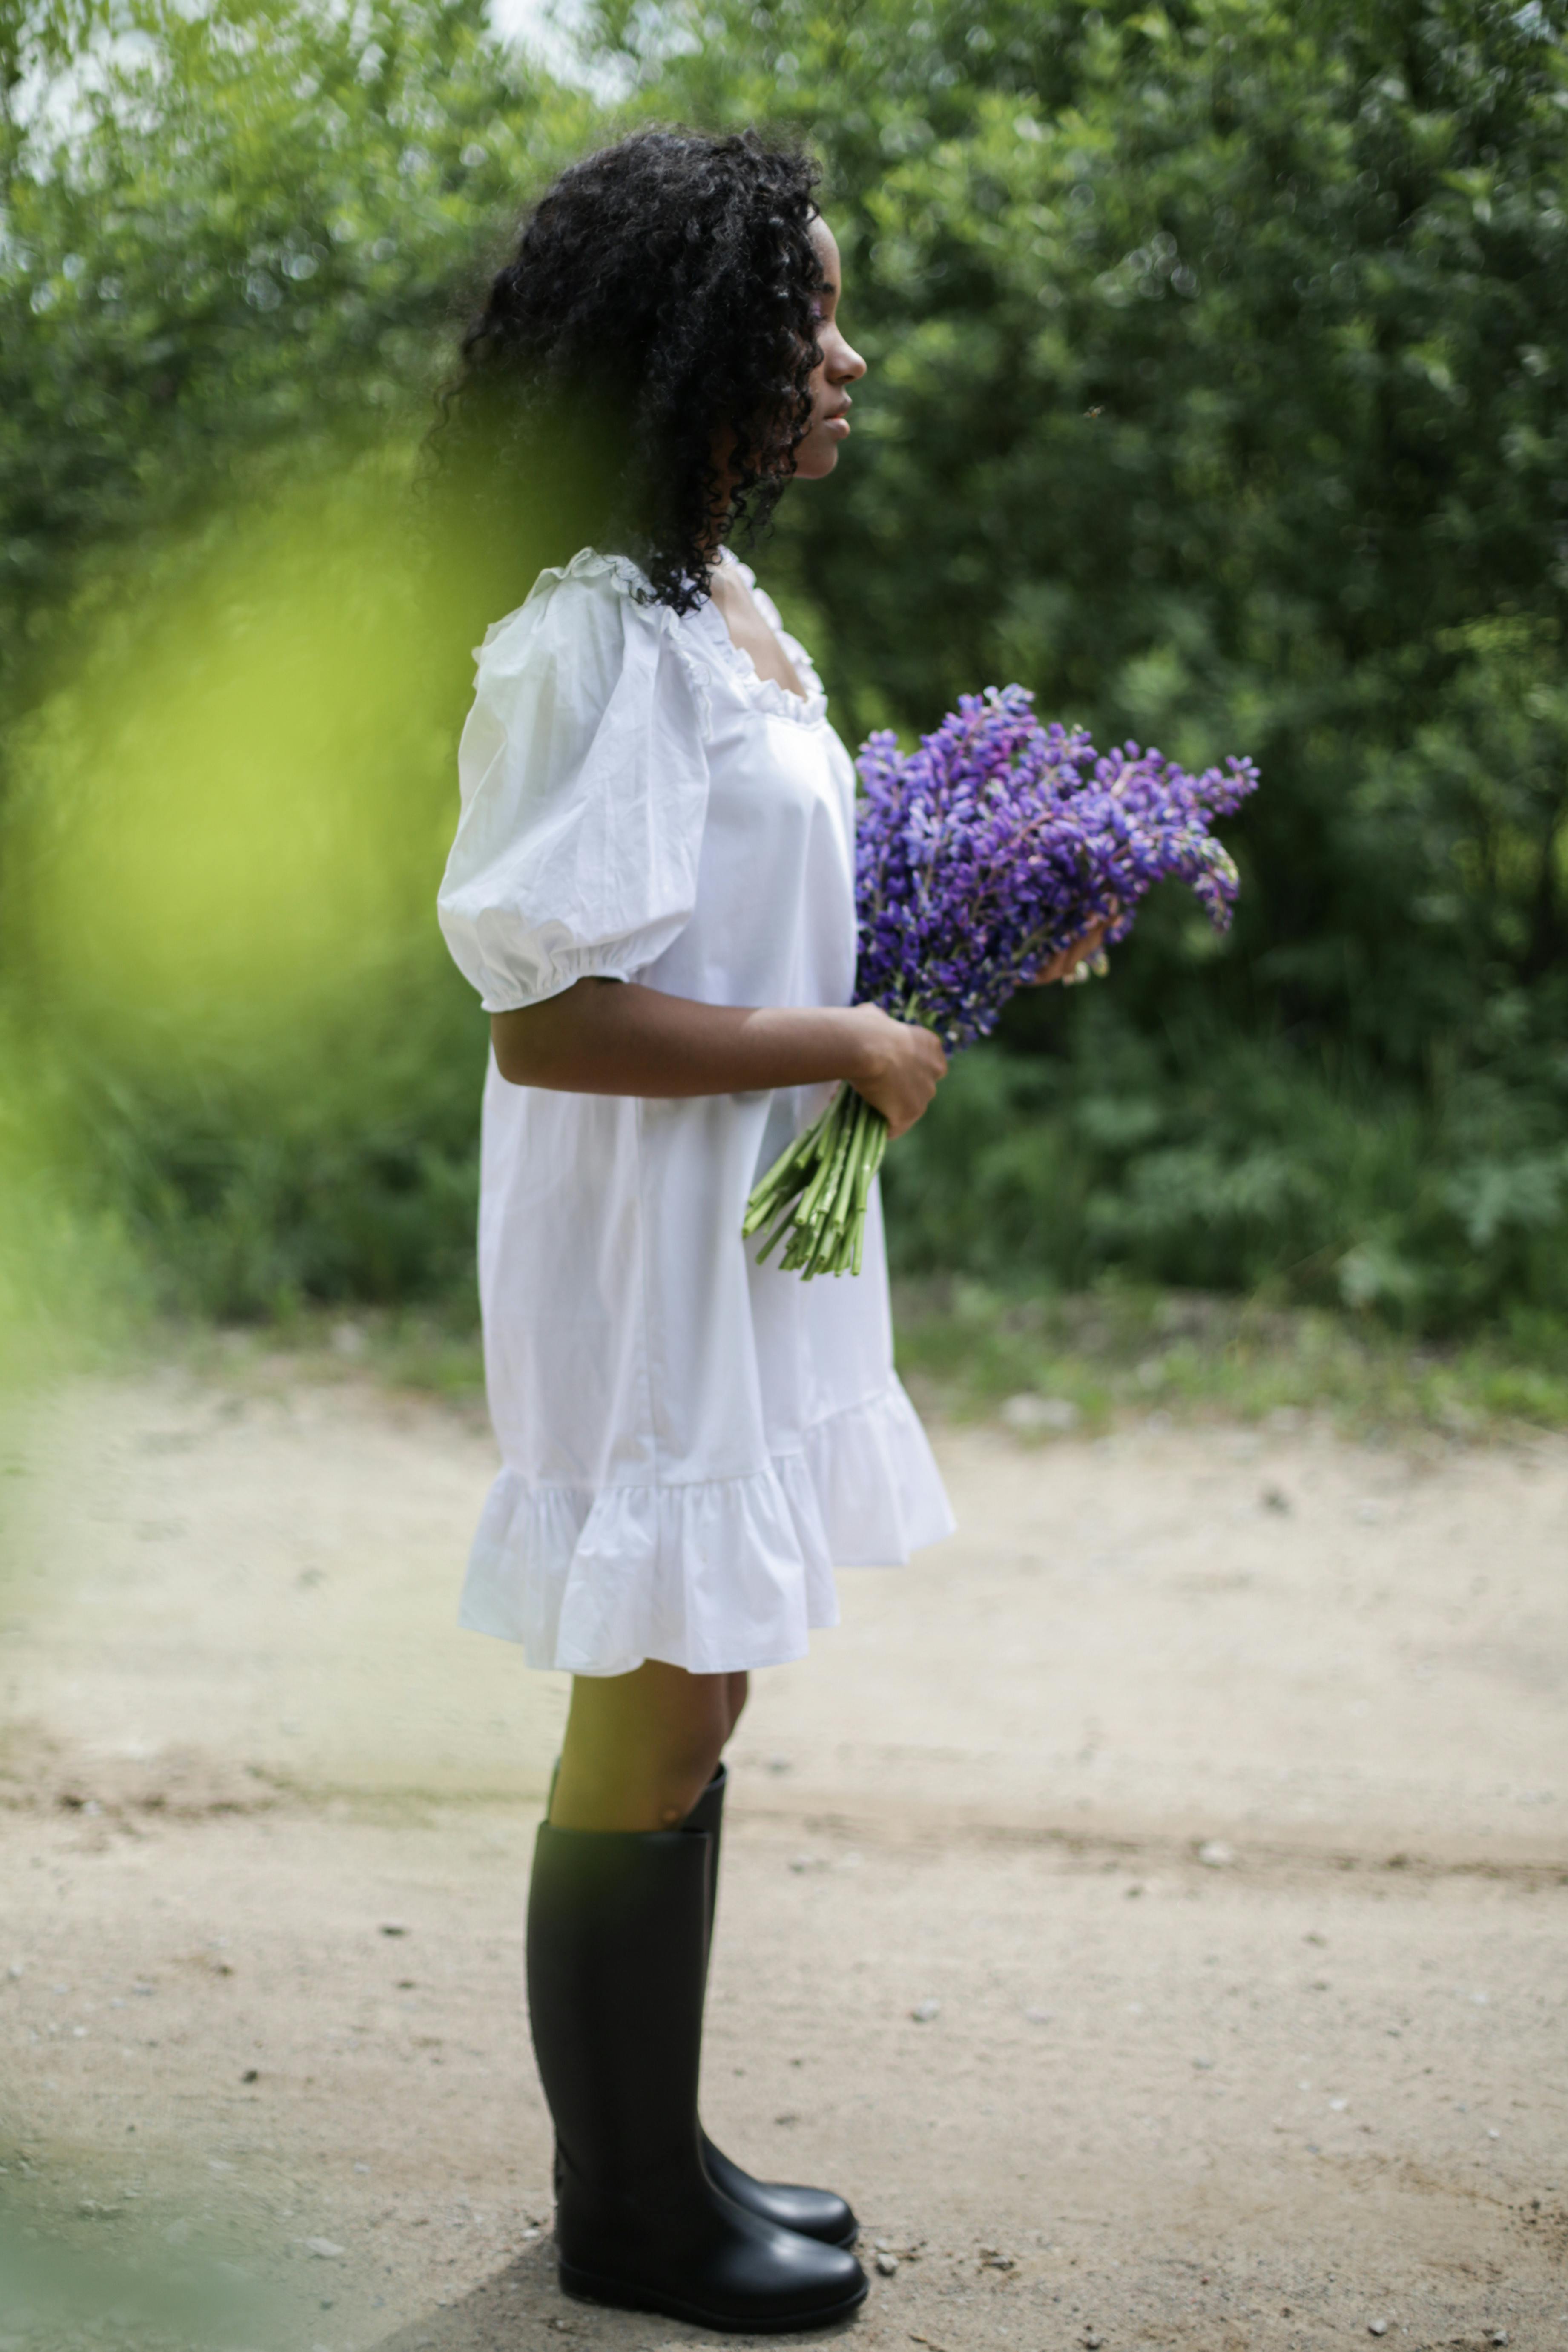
(717, 1576)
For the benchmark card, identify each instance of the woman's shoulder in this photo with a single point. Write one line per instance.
(588, 601)
(589, 636)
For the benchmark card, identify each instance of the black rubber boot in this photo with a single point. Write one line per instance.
(618, 1933)
(813, 2212)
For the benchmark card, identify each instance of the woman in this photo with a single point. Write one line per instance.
(652, 890)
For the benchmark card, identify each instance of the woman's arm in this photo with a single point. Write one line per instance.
(616, 1037)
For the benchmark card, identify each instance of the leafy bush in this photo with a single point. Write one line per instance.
(1216, 392)
(1218, 1162)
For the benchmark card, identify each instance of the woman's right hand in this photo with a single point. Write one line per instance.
(896, 1064)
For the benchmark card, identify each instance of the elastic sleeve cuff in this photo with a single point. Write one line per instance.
(567, 969)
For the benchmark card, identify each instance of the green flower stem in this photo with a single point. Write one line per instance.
(815, 1195)
(783, 1179)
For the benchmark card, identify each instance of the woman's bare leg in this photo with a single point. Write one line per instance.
(641, 1748)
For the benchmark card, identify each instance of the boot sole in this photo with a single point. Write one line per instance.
(589, 2286)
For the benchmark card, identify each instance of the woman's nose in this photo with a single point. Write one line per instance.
(845, 364)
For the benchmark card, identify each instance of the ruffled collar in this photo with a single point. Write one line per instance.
(807, 710)
(705, 627)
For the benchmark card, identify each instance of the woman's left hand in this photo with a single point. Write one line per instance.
(1063, 965)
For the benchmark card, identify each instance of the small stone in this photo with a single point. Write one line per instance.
(1275, 1498)
(887, 2265)
(1377, 2327)
(1215, 1855)
(1203, 2064)
(924, 2010)
(323, 2249)
(392, 1928)
(1030, 1416)
(251, 2074)
(1092, 2343)
(1497, 2335)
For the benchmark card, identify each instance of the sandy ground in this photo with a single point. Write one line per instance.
(1148, 1908)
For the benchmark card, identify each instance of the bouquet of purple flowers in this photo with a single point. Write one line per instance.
(979, 857)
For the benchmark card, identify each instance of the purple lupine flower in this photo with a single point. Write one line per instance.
(979, 856)
(1000, 841)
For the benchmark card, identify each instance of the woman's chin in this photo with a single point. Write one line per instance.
(815, 458)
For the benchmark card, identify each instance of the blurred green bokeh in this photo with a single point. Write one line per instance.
(54, 2290)
(223, 830)
(1217, 361)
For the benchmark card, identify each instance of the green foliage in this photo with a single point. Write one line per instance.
(268, 1058)
(1208, 1158)
(1218, 356)
(234, 237)
(970, 1346)
(235, 242)
(1217, 363)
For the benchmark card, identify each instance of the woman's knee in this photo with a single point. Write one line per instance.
(641, 1748)
(687, 1757)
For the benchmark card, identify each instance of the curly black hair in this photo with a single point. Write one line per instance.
(638, 376)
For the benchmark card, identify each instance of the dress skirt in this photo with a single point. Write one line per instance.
(693, 1441)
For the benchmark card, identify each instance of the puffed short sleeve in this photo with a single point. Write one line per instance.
(584, 776)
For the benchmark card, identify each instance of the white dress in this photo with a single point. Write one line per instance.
(690, 1440)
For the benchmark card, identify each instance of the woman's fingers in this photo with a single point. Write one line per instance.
(898, 1067)
(1067, 959)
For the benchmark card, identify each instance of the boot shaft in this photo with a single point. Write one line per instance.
(617, 1932)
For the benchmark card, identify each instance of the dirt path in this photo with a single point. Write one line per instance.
(1150, 1908)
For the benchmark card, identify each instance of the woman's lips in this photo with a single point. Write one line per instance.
(837, 426)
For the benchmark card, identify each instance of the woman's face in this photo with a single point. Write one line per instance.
(839, 366)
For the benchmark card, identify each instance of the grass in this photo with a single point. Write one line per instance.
(971, 1352)
(1119, 1351)
(420, 1350)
